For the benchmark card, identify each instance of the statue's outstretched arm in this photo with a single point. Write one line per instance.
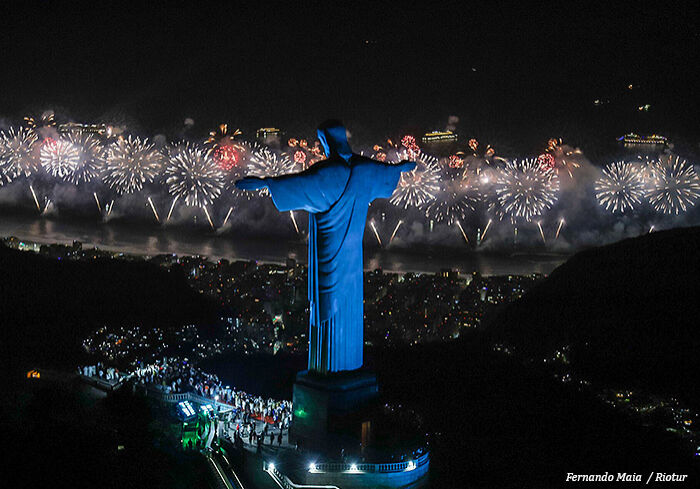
(388, 177)
(313, 190)
(406, 165)
(251, 183)
(258, 183)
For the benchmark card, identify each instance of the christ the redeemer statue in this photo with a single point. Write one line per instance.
(336, 192)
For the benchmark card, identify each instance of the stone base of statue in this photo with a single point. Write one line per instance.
(330, 410)
(346, 437)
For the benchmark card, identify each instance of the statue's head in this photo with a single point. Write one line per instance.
(334, 139)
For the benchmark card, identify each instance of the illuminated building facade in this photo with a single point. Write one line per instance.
(633, 138)
(77, 128)
(269, 135)
(439, 137)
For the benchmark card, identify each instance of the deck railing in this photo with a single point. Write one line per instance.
(373, 468)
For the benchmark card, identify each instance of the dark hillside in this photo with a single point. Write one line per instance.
(629, 311)
(47, 306)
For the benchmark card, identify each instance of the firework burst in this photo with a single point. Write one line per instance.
(226, 152)
(559, 157)
(456, 161)
(17, 153)
(409, 142)
(47, 119)
(621, 187)
(419, 186)
(300, 158)
(262, 162)
(546, 161)
(227, 157)
(523, 190)
(130, 163)
(59, 158)
(457, 197)
(221, 137)
(673, 185)
(193, 176)
(238, 171)
(91, 158)
(265, 163)
(453, 203)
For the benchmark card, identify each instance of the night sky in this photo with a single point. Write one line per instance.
(518, 75)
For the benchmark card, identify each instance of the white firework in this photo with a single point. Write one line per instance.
(621, 188)
(17, 153)
(192, 175)
(419, 186)
(130, 163)
(265, 163)
(673, 185)
(458, 196)
(59, 157)
(91, 159)
(524, 190)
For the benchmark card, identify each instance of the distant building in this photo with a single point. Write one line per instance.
(269, 135)
(439, 137)
(634, 141)
(449, 273)
(17, 244)
(77, 128)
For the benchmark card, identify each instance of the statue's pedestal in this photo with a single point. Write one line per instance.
(330, 410)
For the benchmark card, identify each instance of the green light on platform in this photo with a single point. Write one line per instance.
(300, 413)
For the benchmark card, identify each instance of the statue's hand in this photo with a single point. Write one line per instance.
(406, 165)
(251, 183)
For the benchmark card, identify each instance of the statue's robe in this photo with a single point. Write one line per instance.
(336, 193)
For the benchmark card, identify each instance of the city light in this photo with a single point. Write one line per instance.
(186, 408)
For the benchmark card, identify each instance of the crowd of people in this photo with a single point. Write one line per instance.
(174, 375)
(251, 420)
(98, 370)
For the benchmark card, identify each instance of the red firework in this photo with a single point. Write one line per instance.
(409, 142)
(546, 161)
(226, 157)
(299, 157)
(456, 162)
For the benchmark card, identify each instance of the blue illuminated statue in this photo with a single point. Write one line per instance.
(336, 193)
